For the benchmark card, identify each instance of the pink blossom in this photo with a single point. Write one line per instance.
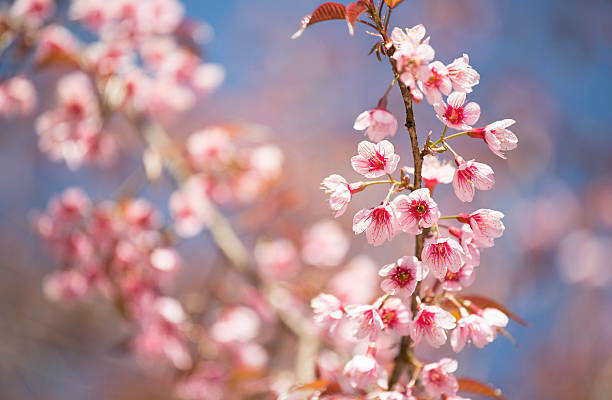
(497, 137)
(165, 259)
(33, 12)
(207, 382)
(462, 75)
(66, 285)
(471, 175)
(435, 172)
(402, 277)
(56, 43)
(340, 192)
(415, 211)
(412, 54)
(456, 281)
(486, 224)
(375, 160)
(209, 148)
(276, 259)
(435, 82)
(468, 243)
(455, 114)
(413, 36)
(395, 316)
(380, 224)
(328, 311)
(431, 322)
(471, 328)
(443, 254)
(190, 207)
(107, 58)
(378, 124)
(494, 317)
(369, 320)
(17, 97)
(324, 244)
(438, 378)
(360, 269)
(364, 371)
(140, 214)
(236, 324)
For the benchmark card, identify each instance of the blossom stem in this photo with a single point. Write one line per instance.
(442, 139)
(377, 182)
(450, 217)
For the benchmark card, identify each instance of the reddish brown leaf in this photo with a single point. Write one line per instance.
(477, 387)
(393, 3)
(325, 12)
(485, 302)
(353, 11)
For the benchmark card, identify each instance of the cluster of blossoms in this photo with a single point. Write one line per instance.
(142, 63)
(227, 169)
(120, 251)
(421, 297)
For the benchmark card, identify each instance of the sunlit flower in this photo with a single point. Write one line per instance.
(462, 75)
(402, 276)
(435, 82)
(486, 224)
(497, 136)
(416, 210)
(438, 378)
(441, 255)
(431, 323)
(375, 160)
(328, 310)
(455, 114)
(471, 175)
(364, 372)
(378, 123)
(380, 224)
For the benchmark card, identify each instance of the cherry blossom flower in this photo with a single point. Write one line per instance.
(438, 378)
(324, 244)
(378, 124)
(497, 137)
(430, 323)
(441, 255)
(190, 207)
(364, 372)
(456, 281)
(455, 114)
(413, 36)
(471, 328)
(486, 224)
(462, 75)
(412, 56)
(416, 210)
(277, 259)
(380, 224)
(236, 324)
(17, 97)
(369, 320)
(375, 160)
(494, 317)
(395, 316)
(66, 285)
(435, 172)
(32, 12)
(340, 192)
(360, 269)
(56, 43)
(402, 276)
(210, 148)
(468, 243)
(328, 310)
(435, 82)
(471, 175)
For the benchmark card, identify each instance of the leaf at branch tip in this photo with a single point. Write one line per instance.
(353, 11)
(485, 302)
(325, 12)
(393, 3)
(477, 387)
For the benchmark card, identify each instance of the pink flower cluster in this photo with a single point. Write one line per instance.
(422, 299)
(120, 251)
(227, 169)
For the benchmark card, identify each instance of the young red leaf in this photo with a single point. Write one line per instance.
(353, 11)
(485, 302)
(477, 387)
(393, 3)
(325, 12)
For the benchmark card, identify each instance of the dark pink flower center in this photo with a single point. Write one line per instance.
(419, 207)
(427, 318)
(402, 276)
(377, 161)
(388, 317)
(436, 377)
(454, 115)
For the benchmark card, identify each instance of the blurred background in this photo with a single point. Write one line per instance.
(545, 64)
